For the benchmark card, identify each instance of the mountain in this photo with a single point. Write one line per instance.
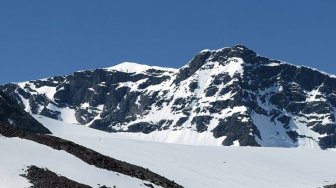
(229, 96)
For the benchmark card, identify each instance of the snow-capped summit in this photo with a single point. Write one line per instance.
(229, 96)
(130, 67)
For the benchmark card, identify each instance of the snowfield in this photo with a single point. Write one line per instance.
(17, 154)
(196, 166)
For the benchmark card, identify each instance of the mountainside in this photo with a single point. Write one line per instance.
(230, 96)
(12, 115)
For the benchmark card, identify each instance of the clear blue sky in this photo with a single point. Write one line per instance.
(41, 38)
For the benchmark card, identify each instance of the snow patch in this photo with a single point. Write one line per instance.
(130, 67)
(233, 66)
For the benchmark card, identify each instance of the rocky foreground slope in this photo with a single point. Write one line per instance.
(12, 115)
(232, 95)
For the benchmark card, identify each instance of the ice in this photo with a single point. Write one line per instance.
(272, 132)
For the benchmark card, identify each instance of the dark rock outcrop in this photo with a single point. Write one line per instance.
(44, 178)
(11, 114)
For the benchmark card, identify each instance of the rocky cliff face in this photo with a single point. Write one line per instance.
(12, 115)
(231, 95)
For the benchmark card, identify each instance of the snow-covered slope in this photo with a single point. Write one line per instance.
(230, 96)
(208, 166)
(17, 154)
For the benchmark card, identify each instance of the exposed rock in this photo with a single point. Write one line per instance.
(330, 186)
(12, 115)
(44, 178)
(234, 129)
(201, 123)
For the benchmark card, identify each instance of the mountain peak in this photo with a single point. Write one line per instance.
(237, 47)
(241, 47)
(131, 67)
(221, 54)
